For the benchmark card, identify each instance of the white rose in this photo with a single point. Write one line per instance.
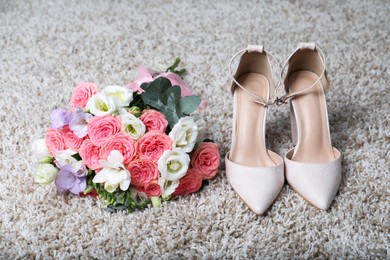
(100, 105)
(173, 164)
(45, 173)
(132, 126)
(167, 187)
(39, 148)
(114, 173)
(184, 134)
(122, 96)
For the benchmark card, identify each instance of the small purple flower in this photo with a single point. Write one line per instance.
(72, 178)
(79, 122)
(59, 118)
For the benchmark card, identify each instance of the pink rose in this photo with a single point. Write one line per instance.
(152, 189)
(153, 144)
(72, 141)
(122, 143)
(154, 120)
(100, 128)
(142, 172)
(82, 93)
(55, 141)
(90, 154)
(206, 159)
(189, 183)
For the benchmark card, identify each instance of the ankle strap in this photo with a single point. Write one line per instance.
(278, 88)
(302, 46)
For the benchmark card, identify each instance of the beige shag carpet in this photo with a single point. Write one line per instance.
(47, 47)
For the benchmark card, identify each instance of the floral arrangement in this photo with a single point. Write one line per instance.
(129, 145)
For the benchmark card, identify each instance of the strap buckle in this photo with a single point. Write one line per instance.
(280, 101)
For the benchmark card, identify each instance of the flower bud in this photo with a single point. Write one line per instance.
(46, 159)
(136, 111)
(45, 173)
(156, 202)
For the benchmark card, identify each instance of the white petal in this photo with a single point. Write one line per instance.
(124, 185)
(115, 157)
(101, 176)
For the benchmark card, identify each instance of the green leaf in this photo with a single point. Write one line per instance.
(189, 104)
(170, 115)
(154, 91)
(172, 97)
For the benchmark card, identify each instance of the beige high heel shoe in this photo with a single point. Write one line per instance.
(255, 173)
(313, 166)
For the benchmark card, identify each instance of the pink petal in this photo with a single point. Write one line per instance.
(176, 80)
(203, 103)
(146, 73)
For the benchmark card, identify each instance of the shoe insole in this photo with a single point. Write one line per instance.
(249, 148)
(313, 143)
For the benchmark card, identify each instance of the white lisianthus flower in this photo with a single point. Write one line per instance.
(167, 187)
(132, 126)
(39, 148)
(45, 173)
(184, 134)
(101, 105)
(173, 164)
(122, 96)
(114, 173)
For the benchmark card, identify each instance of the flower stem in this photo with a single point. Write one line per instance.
(173, 67)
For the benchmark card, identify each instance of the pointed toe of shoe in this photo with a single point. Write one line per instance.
(258, 187)
(316, 183)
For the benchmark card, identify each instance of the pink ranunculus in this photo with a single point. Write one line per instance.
(142, 171)
(90, 154)
(154, 120)
(189, 183)
(100, 128)
(152, 189)
(55, 141)
(122, 143)
(72, 141)
(153, 144)
(82, 93)
(206, 159)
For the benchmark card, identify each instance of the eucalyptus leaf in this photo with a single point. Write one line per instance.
(154, 91)
(172, 97)
(189, 104)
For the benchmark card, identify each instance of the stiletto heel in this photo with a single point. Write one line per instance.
(255, 173)
(293, 121)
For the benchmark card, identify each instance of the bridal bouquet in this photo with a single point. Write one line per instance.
(129, 145)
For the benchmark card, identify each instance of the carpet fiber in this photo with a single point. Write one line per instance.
(47, 47)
